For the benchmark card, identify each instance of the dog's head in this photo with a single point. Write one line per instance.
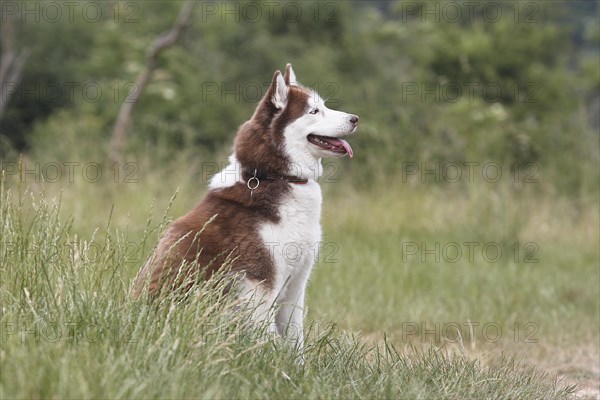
(292, 129)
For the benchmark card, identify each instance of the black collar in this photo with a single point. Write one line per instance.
(256, 174)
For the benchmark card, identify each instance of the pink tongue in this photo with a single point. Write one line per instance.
(343, 143)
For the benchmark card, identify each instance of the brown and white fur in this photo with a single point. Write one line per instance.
(273, 231)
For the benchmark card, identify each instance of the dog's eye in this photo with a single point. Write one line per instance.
(313, 111)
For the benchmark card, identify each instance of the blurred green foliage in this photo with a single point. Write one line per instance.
(515, 88)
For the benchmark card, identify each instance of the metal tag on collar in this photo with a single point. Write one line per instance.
(253, 183)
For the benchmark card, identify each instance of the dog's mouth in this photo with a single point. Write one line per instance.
(331, 144)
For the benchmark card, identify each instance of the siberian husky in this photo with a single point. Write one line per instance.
(265, 208)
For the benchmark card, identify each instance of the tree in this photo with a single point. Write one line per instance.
(11, 61)
(160, 44)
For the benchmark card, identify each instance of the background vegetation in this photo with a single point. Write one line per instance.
(516, 86)
(517, 90)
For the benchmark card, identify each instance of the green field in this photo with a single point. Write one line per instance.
(460, 255)
(389, 314)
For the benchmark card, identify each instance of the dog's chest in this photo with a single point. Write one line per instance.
(294, 240)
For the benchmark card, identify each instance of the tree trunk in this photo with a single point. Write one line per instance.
(11, 63)
(163, 42)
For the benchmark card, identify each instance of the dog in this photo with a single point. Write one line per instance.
(261, 215)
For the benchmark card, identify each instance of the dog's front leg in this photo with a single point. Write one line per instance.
(289, 317)
(261, 301)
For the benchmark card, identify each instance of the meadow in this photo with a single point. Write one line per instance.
(459, 290)
(460, 255)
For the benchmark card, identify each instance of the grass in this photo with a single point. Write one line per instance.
(382, 321)
(437, 261)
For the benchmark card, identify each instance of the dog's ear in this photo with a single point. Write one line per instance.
(278, 92)
(274, 100)
(290, 76)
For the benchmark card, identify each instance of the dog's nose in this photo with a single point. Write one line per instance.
(354, 119)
